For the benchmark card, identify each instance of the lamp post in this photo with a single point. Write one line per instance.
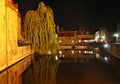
(116, 37)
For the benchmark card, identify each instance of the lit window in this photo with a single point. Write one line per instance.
(60, 41)
(85, 40)
(79, 41)
(72, 51)
(85, 51)
(56, 57)
(56, 36)
(72, 41)
(79, 51)
(49, 52)
(63, 55)
(90, 52)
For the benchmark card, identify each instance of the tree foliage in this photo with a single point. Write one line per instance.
(39, 29)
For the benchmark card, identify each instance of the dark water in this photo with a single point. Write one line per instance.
(43, 70)
(84, 69)
(89, 72)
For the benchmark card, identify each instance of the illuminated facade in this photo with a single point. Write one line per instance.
(74, 38)
(75, 44)
(101, 35)
(10, 52)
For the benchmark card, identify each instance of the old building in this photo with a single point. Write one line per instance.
(74, 38)
(10, 52)
(75, 44)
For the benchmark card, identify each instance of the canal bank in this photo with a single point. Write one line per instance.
(13, 74)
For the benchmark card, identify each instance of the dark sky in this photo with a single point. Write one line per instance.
(79, 13)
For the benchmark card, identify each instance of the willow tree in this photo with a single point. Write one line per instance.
(39, 29)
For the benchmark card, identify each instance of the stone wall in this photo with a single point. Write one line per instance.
(11, 34)
(3, 35)
(13, 75)
(10, 52)
(14, 59)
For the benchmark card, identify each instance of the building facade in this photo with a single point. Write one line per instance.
(10, 52)
(73, 38)
(75, 44)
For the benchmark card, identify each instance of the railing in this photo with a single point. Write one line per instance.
(82, 45)
(113, 49)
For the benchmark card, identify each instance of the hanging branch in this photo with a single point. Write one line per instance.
(39, 29)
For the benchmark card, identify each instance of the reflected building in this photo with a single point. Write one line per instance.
(76, 44)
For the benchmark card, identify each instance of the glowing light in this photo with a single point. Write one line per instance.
(56, 57)
(79, 51)
(86, 41)
(102, 38)
(97, 36)
(60, 52)
(60, 41)
(85, 51)
(60, 55)
(72, 41)
(49, 52)
(92, 40)
(63, 55)
(116, 35)
(90, 52)
(96, 49)
(56, 35)
(79, 41)
(97, 55)
(106, 59)
(72, 51)
(106, 45)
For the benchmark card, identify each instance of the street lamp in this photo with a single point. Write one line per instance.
(106, 45)
(116, 36)
(102, 38)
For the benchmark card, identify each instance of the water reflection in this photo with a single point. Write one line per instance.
(75, 55)
(72, 52)
(109, 59)
(92, 68)
(76, 64)
(43, 70)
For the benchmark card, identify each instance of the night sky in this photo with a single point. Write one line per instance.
(73, 14)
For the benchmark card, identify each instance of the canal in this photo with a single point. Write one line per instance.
(74, 67)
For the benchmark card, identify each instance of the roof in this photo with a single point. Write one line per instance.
(66, 33)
